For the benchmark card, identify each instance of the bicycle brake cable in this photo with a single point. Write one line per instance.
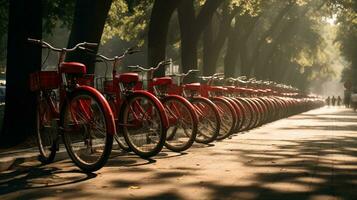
(44, 61)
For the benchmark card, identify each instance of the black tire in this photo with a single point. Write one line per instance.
(154, 140)
(227, 115)
(241, 115)
(261, 111)
(118, 137)
(209, 117)
(238, 113)
(255, 113)
(248, 114)
(46, 130)
(177, 140)
(102, 149)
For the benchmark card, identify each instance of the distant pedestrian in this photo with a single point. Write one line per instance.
(347, 98)
(333, 101)
(328, 100)
(339, 101)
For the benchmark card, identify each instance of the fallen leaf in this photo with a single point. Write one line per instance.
(134, 187)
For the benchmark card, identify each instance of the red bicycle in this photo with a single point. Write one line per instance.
(209, 122)
(224, 105)
(183, 120)
(69, 108)
(140, 117)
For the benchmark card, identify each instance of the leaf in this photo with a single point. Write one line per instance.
(134, 187)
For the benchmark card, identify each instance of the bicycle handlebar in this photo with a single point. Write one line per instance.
(214, 76)
(116, 58)
(82, 45)
(186, 74)
(162, 63)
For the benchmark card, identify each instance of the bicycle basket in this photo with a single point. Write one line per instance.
(109, 87)
(44, 80)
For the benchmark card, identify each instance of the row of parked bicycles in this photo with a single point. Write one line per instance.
(143, 114)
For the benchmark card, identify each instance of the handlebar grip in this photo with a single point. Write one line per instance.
(91, 51)
(34, 41)
(91, 45)
(133, 51)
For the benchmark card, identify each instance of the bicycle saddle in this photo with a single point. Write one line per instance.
(73, 68)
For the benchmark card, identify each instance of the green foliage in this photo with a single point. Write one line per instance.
(128, 22)
(57, 12)
(312, 39)
(346, 20)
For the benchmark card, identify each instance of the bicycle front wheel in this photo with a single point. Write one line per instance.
(228, 117)
(208, 120)
(142, 124)
(85, 132)
(182, 123)
(46, 129)
(118, 137)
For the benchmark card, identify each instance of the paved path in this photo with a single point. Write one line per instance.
(309, 156)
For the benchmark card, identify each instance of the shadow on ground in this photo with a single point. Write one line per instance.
(309, 168)
(40, 177)
(301, 169)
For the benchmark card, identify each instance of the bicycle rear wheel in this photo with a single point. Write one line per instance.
(142, 124)
(208, 120)
(85, 132)
(228, 117)
(183, 121)
(46, 130)
(248, 114)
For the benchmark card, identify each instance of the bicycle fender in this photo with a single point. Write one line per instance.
(158, 103)
(181, 98)
(184, 100)
(107, 110)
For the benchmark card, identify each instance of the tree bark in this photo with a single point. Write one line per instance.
(23, 58)
(212, 46)
(191, 28)
(158, 30)
(232, 52)
(237, 45)
(88, 25)
(209, 55)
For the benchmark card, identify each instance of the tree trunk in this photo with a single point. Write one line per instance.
(232, 52)
(88, 25)
(237, 45)
(287, 33)
(191, 28)
(189, 38)
(212, 46)
(257, 50)
(23, 58)
(158, 30)
(245, 67)
(209, 53)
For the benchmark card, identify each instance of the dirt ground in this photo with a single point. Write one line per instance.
(308, 156)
